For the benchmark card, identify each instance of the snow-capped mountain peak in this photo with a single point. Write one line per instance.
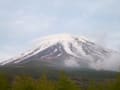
(60, 38)
(62, 50)
(63, 39)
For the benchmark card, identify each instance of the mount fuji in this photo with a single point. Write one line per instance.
(62, 51)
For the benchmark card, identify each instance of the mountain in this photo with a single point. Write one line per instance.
(62, 51)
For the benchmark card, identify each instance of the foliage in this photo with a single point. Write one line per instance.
(62, 83)
(44, 84)
(4, 83)
(66, 83)
(23, 83)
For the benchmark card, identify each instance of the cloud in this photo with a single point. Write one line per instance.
(24, 20)
(111, 63)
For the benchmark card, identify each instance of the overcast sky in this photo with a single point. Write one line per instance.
(23, 21)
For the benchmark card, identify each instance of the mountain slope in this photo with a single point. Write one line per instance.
(62, 51)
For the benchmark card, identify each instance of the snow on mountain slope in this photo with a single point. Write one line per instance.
(69, 50)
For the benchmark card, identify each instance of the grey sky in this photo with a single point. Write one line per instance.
(22, 21)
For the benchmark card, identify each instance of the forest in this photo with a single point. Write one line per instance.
(63, 82)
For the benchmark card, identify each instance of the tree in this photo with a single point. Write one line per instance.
(23, 83)
(66, 83)
(116, 84)
(4, 83)
(92, 86)
(44, 84)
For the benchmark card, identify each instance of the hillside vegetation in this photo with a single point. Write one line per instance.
(64, 82)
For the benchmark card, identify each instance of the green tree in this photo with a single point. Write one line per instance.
(4, 83)
(66, 83)
(23, 83)
(110, 85)
(92, 86)
(44, 84)
(116, 84)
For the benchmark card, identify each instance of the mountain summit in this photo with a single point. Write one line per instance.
(62, 51)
